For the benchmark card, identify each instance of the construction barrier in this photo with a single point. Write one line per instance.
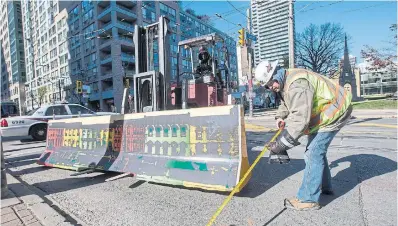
(202, 148)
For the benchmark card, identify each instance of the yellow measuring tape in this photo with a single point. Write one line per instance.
(213, 218)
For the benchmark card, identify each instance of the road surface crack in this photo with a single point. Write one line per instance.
(361, 206)
(360, 197)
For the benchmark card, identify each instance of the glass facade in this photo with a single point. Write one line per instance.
(13, 73)
(46, 32)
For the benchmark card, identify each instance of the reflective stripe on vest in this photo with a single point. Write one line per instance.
(330, 100)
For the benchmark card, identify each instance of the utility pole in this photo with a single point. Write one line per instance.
(291, 35)
(59, 87)
(4, 185)
(249, 54)
(30, 40)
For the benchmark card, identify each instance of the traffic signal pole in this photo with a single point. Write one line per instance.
(249, 53)
(245, 64)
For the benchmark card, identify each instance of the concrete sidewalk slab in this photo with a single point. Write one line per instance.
(29, 208)
(15, 212)
(9, 200)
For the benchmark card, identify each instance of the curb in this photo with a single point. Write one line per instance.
(373, 116)
(37, 205)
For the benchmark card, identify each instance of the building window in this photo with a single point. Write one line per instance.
(74, 13)
(148, 14)
(88, 31)
(167, 11)
(63, 59)
(88, 16)
(173, 62)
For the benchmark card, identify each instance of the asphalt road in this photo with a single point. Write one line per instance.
(362, 157)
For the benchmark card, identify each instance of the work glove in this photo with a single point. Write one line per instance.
(280, 123)
(278, 149)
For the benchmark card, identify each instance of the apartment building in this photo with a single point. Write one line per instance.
(46, 51)
(13, 74)
(102, 50)
(270, 21)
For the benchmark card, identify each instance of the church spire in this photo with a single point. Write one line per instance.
(347, 77)
(346, 59)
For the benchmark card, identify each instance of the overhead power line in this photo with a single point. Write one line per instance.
(306, 6)
(238, 10)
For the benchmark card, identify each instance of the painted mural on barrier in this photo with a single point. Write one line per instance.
(156, 147)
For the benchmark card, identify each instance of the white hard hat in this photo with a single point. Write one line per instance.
(264, 71)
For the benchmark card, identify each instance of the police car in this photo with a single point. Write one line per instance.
(35, 123)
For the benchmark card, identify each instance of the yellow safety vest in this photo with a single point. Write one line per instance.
(330, 100)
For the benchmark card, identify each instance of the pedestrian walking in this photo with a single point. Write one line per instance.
(313, 105)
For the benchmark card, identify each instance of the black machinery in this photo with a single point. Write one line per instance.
(153, 91)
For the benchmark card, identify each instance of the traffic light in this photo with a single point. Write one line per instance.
(126, 82)
(241, 37)
(79, 85)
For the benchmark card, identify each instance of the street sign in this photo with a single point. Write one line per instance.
(251, 37)
(86, 91)
(251, 94)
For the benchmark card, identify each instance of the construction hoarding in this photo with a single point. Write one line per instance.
(203, 147)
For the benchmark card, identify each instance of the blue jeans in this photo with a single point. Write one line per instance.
(316, 173)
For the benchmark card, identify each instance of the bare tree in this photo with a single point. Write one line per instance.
(384, 58)
(41, 93)
(319, 48)
(72, 95)
(205, 18)
(190, 11)
(285, 60)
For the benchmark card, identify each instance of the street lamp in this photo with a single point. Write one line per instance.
(31, 92)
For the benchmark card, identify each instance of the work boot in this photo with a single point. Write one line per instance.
(296, 204)
(327, 192)
(278, 158)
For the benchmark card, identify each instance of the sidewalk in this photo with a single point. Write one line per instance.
(22, 206)
(19, 214)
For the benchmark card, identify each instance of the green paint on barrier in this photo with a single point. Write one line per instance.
(140, 157)
(202, 166)
(187, 165)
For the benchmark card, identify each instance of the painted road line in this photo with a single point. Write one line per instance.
(366, 132)
(22, 154)
(376, 125)
(252, 127)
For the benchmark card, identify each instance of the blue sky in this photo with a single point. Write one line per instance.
(367, 22)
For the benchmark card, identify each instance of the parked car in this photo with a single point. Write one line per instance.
(35, 123)
(394, 97)
(9, 109)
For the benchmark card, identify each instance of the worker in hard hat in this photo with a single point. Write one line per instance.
(313, 105)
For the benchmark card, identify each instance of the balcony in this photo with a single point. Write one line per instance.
(105, 12)
(125, 26)
(126, 11)
(106, 59)
(94, 96)
(91, 65)
(128, 4)
(128, 57)
(107, 26)
(108, 93)
(103, 3)
(105, 41)
(126, 39)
